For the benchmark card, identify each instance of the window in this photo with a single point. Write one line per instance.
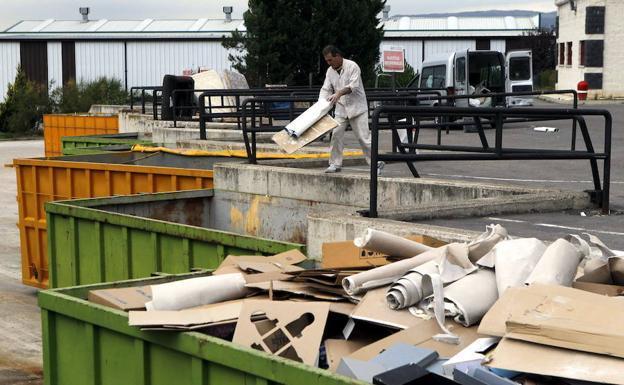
(486, 70)
(569, 56)
(561, 53)
(594, 53)
(594, 80)
(433, 77)
(519, 68)
(460, 67)
(582, 52)
(594, 20)
(482, 44)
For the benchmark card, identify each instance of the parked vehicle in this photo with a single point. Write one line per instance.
(478, 72)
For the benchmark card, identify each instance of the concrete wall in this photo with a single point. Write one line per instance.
(572, 29)
(296, 205)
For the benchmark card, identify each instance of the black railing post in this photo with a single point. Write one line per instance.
(372, 212)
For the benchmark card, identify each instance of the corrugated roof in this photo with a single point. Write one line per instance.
(423, 26)
(397, 26)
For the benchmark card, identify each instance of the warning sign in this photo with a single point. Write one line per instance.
(393, 60)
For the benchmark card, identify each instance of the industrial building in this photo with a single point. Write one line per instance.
(588, 46)
(140, 52)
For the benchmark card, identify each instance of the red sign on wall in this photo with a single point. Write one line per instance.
(393, 60)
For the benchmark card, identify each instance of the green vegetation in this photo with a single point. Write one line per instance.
(25, 103)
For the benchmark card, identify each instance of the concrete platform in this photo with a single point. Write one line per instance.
(307, 205)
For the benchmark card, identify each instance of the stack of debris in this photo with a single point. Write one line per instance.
(392, 310)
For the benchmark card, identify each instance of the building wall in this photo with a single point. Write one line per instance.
(55, 65)
(97, 59)
(613, 81)
(149, 61)
(572, 29)
(9, 60)
(498, 45)
(435, 48)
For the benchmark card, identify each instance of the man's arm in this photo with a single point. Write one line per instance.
(327, 90)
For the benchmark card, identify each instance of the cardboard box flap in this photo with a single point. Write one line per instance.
(571, 319)
(204, 315)
(230, 263)
(125, 298)
(527, 357)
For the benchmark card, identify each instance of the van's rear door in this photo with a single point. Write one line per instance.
(519, 76)
(460, 76)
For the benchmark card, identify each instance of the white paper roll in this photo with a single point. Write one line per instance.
(515, 260)
(386, 274)
(468, 299)
(408, 290)
(557, 266)
(197, 291)
(389, 244)
(310, 116)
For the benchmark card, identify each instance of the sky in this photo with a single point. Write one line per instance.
(15, 10)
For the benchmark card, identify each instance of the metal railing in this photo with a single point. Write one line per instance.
(143, 97)
(259, 116)
(407, 151)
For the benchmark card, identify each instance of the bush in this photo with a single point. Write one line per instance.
(23, 106)
(79, 97)
(546, 80)
(385, 78)
(26, 102)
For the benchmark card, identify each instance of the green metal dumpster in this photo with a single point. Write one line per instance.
(98, 144)
(134, 236)
(86, 343)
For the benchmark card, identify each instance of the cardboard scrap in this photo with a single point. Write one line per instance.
(345, 254)
(336, 349)
(606, 280)
(125, 298)
(571, 319)
(545, 360)
(517, 299)
(421, 335)
(297, 288)
(288, 258)
(290, 144)
(294, 330)
(204, 315)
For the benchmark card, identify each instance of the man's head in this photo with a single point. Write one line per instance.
(333, 56)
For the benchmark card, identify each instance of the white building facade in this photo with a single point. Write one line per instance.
(590, 42)
(140, 52)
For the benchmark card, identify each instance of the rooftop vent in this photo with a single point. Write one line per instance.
(84, 11)
(228, 13)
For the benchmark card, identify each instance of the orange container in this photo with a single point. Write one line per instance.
(40, 180)
(56, 126)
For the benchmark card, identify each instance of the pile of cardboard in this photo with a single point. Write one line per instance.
(392, 310)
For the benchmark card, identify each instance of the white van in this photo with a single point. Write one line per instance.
(476, 72)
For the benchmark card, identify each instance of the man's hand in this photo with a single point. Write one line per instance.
(333, 99)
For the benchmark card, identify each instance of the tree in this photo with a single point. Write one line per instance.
(284, 38)
(23, 105)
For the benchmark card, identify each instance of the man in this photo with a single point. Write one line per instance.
(343, 87)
